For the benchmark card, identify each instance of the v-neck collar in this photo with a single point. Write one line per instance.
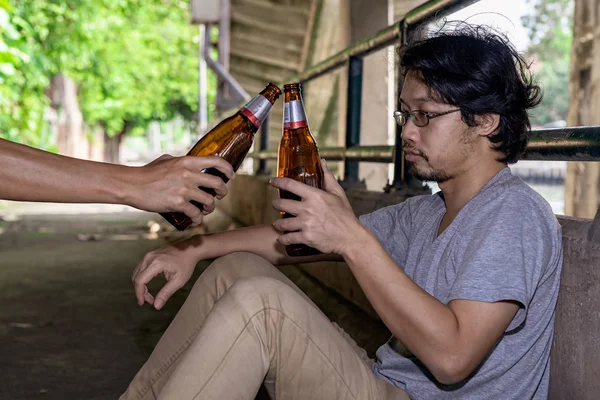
(437, 218)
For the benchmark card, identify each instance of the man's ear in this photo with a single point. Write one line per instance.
(487, 124)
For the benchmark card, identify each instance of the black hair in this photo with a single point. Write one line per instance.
(479, 71)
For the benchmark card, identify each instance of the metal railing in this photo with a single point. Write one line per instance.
(580, 143)
(565, 144)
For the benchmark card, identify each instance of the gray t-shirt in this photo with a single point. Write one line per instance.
(505, 244)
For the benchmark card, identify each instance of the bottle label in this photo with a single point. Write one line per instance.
(257, 110)
(293, 115)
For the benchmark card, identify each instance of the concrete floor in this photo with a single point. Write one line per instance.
(70, 327)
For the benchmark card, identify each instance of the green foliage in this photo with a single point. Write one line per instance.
(554, 79)
(22, 80)
(134, 61)
(551, 32)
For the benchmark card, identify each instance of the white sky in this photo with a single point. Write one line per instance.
(503, 15)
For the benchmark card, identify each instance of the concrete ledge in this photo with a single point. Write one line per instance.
(249, 200)
(575, 357)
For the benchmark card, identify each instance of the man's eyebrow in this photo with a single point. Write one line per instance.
(419, 100)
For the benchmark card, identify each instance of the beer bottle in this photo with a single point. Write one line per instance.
(298, 156)
(231, 139)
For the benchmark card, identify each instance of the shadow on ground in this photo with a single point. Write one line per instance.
(70, 327)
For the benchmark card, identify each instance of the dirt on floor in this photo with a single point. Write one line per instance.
(70, 327)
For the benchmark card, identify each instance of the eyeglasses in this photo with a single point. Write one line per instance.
(418, 117)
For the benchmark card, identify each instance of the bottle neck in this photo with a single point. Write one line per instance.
(257, 110)
(294, 116)
(271, 92)
(292, 94)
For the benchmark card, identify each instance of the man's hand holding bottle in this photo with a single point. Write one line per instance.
(169, 184)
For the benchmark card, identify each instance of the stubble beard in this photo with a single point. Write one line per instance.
(429, 175)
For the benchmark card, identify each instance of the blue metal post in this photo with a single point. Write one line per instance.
(355, 78)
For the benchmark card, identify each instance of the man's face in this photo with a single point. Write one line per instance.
(437, 152)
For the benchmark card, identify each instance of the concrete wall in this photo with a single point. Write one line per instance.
(575, 365)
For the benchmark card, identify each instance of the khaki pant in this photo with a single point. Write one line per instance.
(245, 323)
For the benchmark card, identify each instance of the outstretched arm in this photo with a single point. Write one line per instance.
(166, 184)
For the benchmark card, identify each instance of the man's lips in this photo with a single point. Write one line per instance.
(412, 155)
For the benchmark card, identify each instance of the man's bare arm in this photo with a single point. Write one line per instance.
(166, 184)
(260, 240)
(178, 261)
(451, 340)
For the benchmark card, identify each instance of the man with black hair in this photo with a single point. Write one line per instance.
(466, 279)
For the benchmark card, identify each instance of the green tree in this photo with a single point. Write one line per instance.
(133, 61)
(22, 80)
(550, 27)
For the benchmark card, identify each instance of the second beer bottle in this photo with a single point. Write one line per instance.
(231, 139)
(298, 156)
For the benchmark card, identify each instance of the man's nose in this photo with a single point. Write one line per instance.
(410, 132)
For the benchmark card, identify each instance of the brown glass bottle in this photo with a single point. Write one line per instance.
(298, 156)
(231, 139)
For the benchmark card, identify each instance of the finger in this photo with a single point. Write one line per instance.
(290, 206)
(208, 208)
(143, 278)
(210, 181)
(330, 183)
(193, 212)
(295, 187)
(140, 291)
(138, 295)
(202, 162)
(148, 298)
(137, 268)
(291, 238)
(288, 224)
(203, 201)
(166, 292)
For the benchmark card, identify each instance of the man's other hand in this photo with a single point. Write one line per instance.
(174, 262)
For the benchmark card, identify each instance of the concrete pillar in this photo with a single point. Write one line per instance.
(582, 183)
(367, 17)
(318, 93)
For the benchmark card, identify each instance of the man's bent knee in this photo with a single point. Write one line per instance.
(263, 291)
(239, 265)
